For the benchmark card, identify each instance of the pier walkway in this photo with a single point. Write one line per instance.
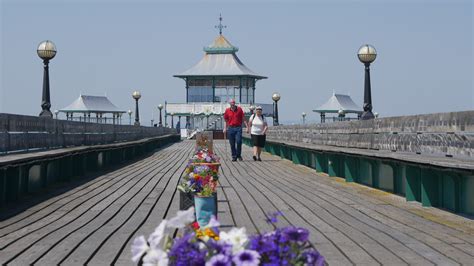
(94, 222)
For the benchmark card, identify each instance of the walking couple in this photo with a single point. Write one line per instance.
(256, 126)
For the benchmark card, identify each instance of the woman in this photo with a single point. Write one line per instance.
(258, 128)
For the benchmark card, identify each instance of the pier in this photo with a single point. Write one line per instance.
(94, 220)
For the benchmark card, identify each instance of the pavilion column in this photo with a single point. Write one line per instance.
(213, 89)
(253, 88)
(240, 90)
(187, 92)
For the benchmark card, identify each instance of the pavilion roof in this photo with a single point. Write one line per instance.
(339, 102)
(92, 104)
(220, 60)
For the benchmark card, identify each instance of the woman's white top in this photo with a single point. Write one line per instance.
(258, 124)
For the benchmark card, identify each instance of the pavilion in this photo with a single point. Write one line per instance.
(101, 108)
(212, 82)
(341, 105)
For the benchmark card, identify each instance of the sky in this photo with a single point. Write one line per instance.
(307, 49)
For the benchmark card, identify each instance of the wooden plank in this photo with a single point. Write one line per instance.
(106, 225)
(158, 208)
(45, 208)
(124, 182)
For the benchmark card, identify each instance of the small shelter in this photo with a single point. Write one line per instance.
(99, 106)
(341, 105)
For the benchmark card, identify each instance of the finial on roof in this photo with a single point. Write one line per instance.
(220, 26)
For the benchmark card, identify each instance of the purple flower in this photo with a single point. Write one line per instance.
(272, 218)
(219, 260)
(295, 234)
(312, 257)
(246, 258)
(185, 251)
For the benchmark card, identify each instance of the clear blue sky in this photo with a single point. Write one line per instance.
(306, 48)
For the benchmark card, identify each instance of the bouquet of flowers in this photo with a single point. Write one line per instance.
(208, 246)
(200, 180)
(204, 156)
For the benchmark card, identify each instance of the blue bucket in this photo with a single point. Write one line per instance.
(205, 208)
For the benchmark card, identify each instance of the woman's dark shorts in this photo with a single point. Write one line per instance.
(258, 140)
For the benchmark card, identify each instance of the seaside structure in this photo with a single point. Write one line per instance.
(212, 82)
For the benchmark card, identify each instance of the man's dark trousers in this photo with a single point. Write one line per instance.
(235, 139)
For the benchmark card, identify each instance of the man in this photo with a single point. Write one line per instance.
(234, 117)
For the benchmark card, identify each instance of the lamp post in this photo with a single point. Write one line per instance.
(367, 55)
(129, 112)
(46, 51)
(276, 97)
(136, 95)
(160, 106)
(304, 116)
(252, 109)
(341, 113)
(56, 112)
(376, 115)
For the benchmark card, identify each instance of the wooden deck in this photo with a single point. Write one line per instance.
(95, 222)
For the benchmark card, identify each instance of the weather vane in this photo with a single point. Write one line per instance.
(220, 26)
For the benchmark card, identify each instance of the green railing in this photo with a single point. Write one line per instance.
(448, 188)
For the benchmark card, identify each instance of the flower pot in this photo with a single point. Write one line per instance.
(186, 200)
(205, 208)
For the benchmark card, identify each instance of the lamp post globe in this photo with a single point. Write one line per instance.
(275, 97)
(376, 115)
(160, 107)
(341, 114)
(303, 114)
(46, 50)
(129, 112)
(367, 55)
(136, 95)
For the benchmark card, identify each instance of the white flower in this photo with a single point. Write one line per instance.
(236, 237)
(155, 257)
(157, 237)
(182, 218)
(139, 247)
